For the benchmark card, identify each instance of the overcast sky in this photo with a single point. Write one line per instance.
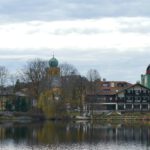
(112, 36)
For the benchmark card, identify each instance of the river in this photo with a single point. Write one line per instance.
(79, 135)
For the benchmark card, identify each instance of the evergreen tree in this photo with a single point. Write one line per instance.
(22, 104)
(8, 105)
(17, 104)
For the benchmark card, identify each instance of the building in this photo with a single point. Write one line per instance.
(5, 95)
(111, 87)
(54, 78)
(145, 79)
(134, 98)
(8, 96)
(126, 97)
(106, 94)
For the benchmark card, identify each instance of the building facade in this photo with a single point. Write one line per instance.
(105, 99)
(131, 98)
(134, 98)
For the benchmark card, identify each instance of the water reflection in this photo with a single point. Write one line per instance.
(73, 135)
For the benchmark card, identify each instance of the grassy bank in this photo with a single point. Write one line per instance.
(103, 117)
(123, 116)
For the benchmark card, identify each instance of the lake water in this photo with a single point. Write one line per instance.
(74, 136)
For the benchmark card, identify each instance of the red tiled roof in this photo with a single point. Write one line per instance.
(113, 87)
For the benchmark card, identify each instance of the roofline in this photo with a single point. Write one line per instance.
(133, 86)
(118, 82)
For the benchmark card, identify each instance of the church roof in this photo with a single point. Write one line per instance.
(148, 70)
(53, 62)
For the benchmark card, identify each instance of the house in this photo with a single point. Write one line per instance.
(6, 93)
(120, 96)
(8, 96)
(106, 94)
(134, 98)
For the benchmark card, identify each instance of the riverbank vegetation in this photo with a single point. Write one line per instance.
(27, 90)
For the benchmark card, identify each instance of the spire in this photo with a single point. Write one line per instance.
(53, 54)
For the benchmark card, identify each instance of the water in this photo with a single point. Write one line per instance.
(74, 136)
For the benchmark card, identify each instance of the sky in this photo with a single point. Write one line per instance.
(111, 36)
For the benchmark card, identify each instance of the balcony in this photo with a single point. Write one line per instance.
(137, 101)
(129, 101)
(121, 100)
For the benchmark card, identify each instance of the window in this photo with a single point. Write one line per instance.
(128, 106)
(130, 91)
(105, 84)
(112, 84)
(129, 98)
(121, 84)
(137, 92)
(106, 90)
(110, 98)
(136, 106)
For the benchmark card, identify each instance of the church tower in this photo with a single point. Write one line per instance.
(54, 78)
(145, 79)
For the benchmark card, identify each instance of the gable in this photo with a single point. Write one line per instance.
(135, 87)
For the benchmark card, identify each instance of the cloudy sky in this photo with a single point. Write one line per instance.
(112, 36)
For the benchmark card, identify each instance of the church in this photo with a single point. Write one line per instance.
(145, 79)
(121, 96)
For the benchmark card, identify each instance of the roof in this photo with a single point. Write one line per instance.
(53, 62)
(137, 84)
(148, 70)
(112, 87)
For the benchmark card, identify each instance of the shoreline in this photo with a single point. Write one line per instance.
(114, 116)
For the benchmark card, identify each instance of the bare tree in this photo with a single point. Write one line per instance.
(3, 75)
(93, 78)
(68, 69)
(68, 75)
(93, 75)
(34, 74)
(73, 85)
(13, 78)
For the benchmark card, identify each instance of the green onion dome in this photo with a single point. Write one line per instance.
(53, 62)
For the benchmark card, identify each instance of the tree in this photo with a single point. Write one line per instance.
(79, 91)
(22, 104)
(17, 85)
(34, 74)
(68, 70)
(93, 78)
(68, 74)
(13, 79)
(73, 85)
(17, 104)
(8, 105)
(50, 107)
(93, 75)
(3, 75)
